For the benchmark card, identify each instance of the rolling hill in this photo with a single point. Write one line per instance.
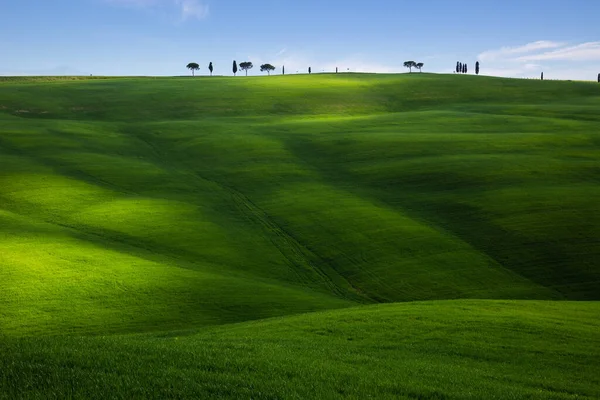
(135, 209)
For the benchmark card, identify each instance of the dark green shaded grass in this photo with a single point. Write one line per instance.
(429, 350)
(301, 193)
(137, 205)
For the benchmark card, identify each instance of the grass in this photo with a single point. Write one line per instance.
(134, 207)
(427, 350)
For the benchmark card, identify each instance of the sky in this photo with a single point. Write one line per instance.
(512, 38)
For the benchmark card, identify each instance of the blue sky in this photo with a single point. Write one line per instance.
(516, 38)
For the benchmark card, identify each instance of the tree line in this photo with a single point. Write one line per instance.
(463, 68)
(244, 66)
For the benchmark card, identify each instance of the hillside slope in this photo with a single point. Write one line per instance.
(154, 204)
(427, 350)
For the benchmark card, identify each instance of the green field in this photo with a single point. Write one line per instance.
(146, 224)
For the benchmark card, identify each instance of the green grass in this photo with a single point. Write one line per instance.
(145, 205)
(429, 350)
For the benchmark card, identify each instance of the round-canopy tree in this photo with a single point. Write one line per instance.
(193, 67)
(267, 67)
(245, 66)
(419, 66)
(410, 65)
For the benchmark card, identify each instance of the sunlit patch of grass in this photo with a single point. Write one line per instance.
(158, 205)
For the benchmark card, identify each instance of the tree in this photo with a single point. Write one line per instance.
(458, 67)
(477, 68)
(267, 67)
(235, 69)
(245, 66)
(410, 65)
(598, 77)
(465, 68)
(210, 68)
(542, 76)
(419, 66)
(309, 70)
(283, 70)
(193, 67)
(336, 70)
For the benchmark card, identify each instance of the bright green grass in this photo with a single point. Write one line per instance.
(430, 350)
(144, 205)
(324, 191)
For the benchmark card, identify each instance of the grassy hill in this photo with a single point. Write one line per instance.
(466, 349)
(145, 205)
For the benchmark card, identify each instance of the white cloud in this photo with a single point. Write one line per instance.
(508, 52)
(581, 52)
(560, 60)
(188, 9)
(192, 9)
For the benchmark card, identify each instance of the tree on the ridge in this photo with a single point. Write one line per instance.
(419, 66)
(309, 70)
(542, 76)
(458, 68)
(193, 67)
(477, 68)
(245, 66)
(465, 68)
(210, 68)
(267, 67)
(235, 69)
(283, 70)
(410, 65)
(598, 77)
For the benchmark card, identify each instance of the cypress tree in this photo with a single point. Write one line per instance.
(234, 68)
(336, 70)
(542, 76)
(598, 77)
(466, 69)
(283, 70)
(477, 68)
(210, 68)
(457, 67)
(309, 70)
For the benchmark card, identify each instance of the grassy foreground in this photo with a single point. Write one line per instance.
(135, 208)
(429, 350)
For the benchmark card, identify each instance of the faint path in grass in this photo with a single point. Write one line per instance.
(298, 255)
(336, 176)
(308, 266)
